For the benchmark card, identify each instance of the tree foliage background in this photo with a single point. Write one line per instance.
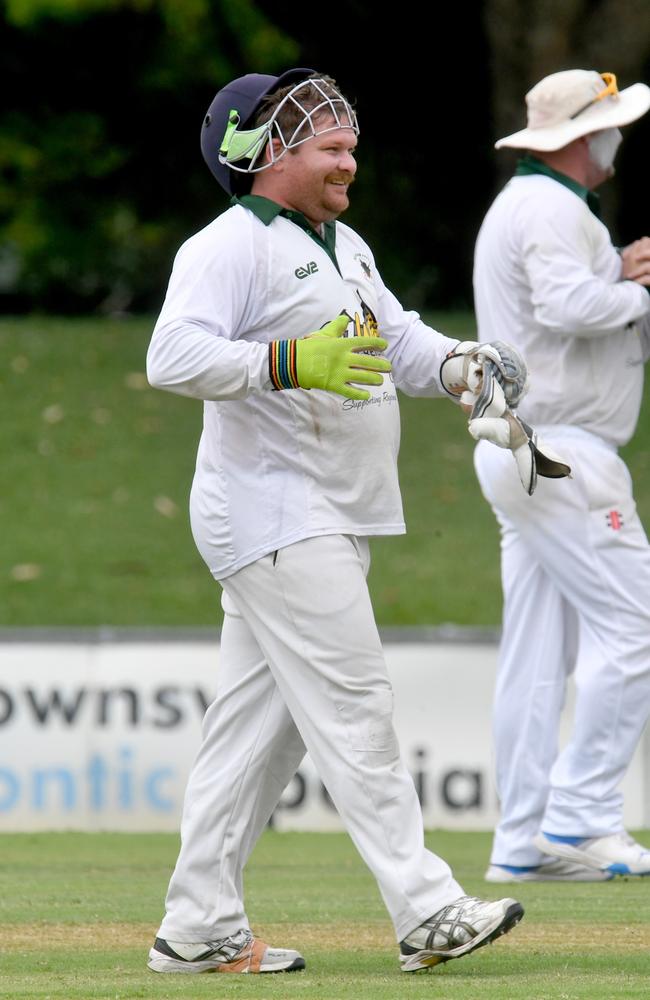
(101, 176)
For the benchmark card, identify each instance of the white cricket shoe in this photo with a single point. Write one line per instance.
(239, 953)
(617, 853)
(553, 871)
(457, 929)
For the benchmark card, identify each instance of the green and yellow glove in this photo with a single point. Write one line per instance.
(328, 360)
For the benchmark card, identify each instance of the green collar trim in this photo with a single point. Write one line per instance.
(531, 165)
(266, 211)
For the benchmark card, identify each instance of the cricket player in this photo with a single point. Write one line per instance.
(277, 318)
(575, 558)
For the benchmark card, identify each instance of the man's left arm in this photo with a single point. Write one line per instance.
(427, 363)
(415, 350)
(487, 379)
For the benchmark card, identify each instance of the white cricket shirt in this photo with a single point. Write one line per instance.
(548, 280)
(276, 467)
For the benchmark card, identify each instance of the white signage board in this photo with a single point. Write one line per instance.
(101, 736)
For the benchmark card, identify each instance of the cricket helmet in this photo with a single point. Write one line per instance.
(233, 150)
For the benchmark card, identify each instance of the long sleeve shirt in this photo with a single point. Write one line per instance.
(275, 467)
(548, 280)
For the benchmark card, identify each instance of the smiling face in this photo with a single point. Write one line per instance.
(314, 177)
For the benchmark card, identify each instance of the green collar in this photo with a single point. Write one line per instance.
(266, 211)
(531, 165)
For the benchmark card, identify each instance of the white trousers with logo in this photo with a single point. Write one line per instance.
(301, 666)
(576, 583)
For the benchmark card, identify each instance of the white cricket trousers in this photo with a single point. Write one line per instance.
(301, 666)
(575, 565)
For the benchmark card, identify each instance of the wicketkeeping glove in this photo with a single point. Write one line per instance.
(462, 369)
(492, 420)
(328, 360)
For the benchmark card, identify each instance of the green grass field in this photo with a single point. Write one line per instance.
(96, 474)
(97, 469)
(78, 913)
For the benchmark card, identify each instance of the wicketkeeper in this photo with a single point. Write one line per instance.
(277, 318)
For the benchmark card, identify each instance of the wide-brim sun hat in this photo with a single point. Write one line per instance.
(566, 105)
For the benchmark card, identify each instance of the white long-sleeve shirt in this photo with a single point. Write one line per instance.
(548, 280)
(276, 467)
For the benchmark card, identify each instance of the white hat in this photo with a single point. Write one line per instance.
(566, 105)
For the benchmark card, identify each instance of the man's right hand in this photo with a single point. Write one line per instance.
(327, 360)
(635, 260)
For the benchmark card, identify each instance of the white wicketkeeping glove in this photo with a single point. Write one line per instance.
(490, 419)
(462, 369)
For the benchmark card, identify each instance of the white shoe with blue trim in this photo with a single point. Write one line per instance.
(618, 853)
(552, 871)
